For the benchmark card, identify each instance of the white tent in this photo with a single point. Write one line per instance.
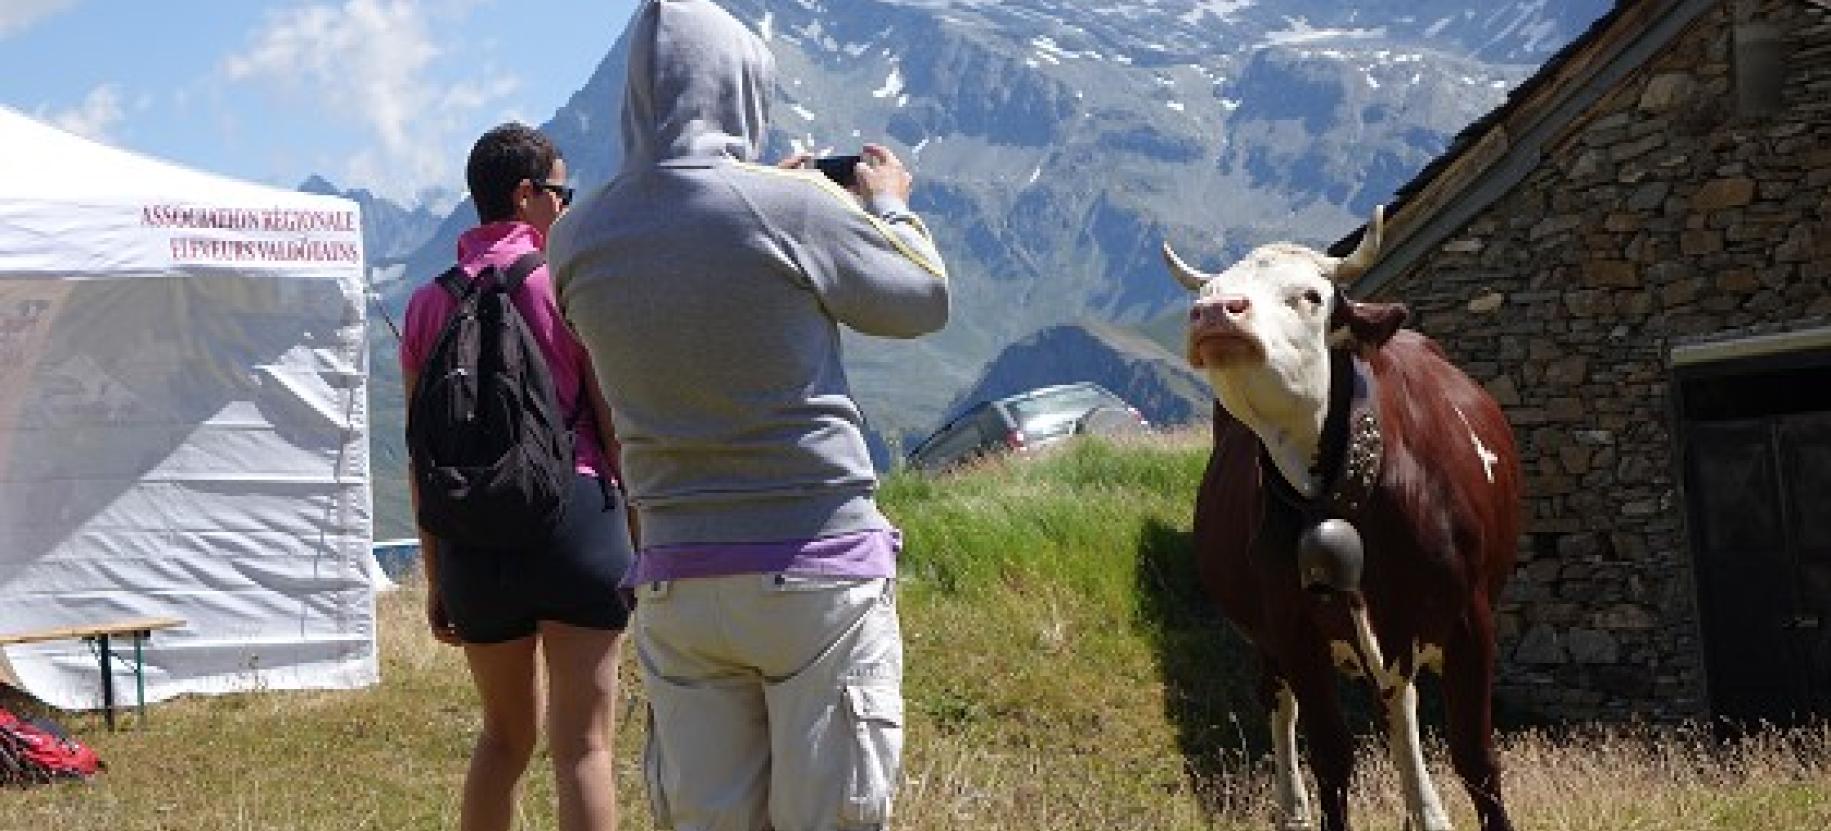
(183, 422)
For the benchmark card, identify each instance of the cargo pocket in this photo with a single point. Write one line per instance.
(876, 715)
(651, 777)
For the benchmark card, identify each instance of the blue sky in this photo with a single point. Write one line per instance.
(382, 94)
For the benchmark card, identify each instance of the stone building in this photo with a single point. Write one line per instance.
(1633, 254)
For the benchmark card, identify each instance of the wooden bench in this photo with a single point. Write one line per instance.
(100, 634)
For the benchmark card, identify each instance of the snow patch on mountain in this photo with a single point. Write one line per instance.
(892, 84)
(1298, 30)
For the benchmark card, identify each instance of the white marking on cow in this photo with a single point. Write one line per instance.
(1487, 456)
(1289, 433)
(1287, 778)
(1347, 661)
(1400, 696)
(1370, 651)
(1427, 655)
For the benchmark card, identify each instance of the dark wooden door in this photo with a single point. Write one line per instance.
(1759, 502)
(1805, 452)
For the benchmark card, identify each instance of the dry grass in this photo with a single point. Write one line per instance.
(1061, 675)
(1022, 727)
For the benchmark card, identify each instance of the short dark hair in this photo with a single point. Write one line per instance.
(500, 159)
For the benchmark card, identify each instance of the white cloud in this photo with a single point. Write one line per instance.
(374, 61)
(99, 111)
(18, 15)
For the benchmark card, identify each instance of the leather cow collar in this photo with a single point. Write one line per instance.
(1349, 453)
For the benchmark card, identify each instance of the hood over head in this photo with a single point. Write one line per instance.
(699, 83)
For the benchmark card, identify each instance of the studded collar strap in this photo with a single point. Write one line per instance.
(1352, 447)
(1350, 451)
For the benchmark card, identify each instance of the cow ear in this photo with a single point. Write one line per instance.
(1369, 324)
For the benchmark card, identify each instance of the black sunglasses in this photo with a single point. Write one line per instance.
(564, 192)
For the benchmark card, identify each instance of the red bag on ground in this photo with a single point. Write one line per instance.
(37, 751)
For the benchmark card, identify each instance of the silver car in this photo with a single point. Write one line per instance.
(1025, 422)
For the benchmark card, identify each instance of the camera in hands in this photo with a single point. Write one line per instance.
(841, 169)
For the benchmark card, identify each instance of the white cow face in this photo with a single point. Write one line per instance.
(1267, 312)
(1260, 332)
(1262, 329)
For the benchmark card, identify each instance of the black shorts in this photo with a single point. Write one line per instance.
(493, 595)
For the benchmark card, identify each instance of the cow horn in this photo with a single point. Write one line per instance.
(1191, 279)
(1367, 253)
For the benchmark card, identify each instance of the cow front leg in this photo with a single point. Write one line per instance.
(1399, 696)
(1287, 784)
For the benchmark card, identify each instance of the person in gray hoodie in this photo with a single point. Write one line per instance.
(709, 290)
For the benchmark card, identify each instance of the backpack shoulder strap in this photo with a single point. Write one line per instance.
(456, 281)
(523, 266)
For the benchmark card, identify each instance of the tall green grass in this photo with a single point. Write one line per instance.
(1055, 635)
(1062, 673)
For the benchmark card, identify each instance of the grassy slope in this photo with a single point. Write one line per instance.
(1061, 674)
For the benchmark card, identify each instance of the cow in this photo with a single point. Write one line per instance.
(1360, 511)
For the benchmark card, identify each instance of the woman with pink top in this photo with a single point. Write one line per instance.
(556, 597)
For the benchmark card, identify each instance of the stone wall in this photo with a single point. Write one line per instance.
(1665, 214)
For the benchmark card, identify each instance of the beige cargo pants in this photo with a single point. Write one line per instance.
(775, 701)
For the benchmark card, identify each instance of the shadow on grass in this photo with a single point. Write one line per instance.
(1210, 673)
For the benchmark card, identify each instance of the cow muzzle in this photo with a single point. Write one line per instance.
(1218, 333)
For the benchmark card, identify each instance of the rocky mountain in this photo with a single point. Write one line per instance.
(390, 232)
(1056, 144)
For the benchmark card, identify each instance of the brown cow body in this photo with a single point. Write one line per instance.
(1438, 521)
(1439, 542)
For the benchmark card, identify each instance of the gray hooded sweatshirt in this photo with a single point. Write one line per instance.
(709, 290)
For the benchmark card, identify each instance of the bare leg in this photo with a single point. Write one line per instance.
(504, 676)
(581, 719)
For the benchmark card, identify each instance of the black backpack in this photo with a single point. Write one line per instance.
(492, 458)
